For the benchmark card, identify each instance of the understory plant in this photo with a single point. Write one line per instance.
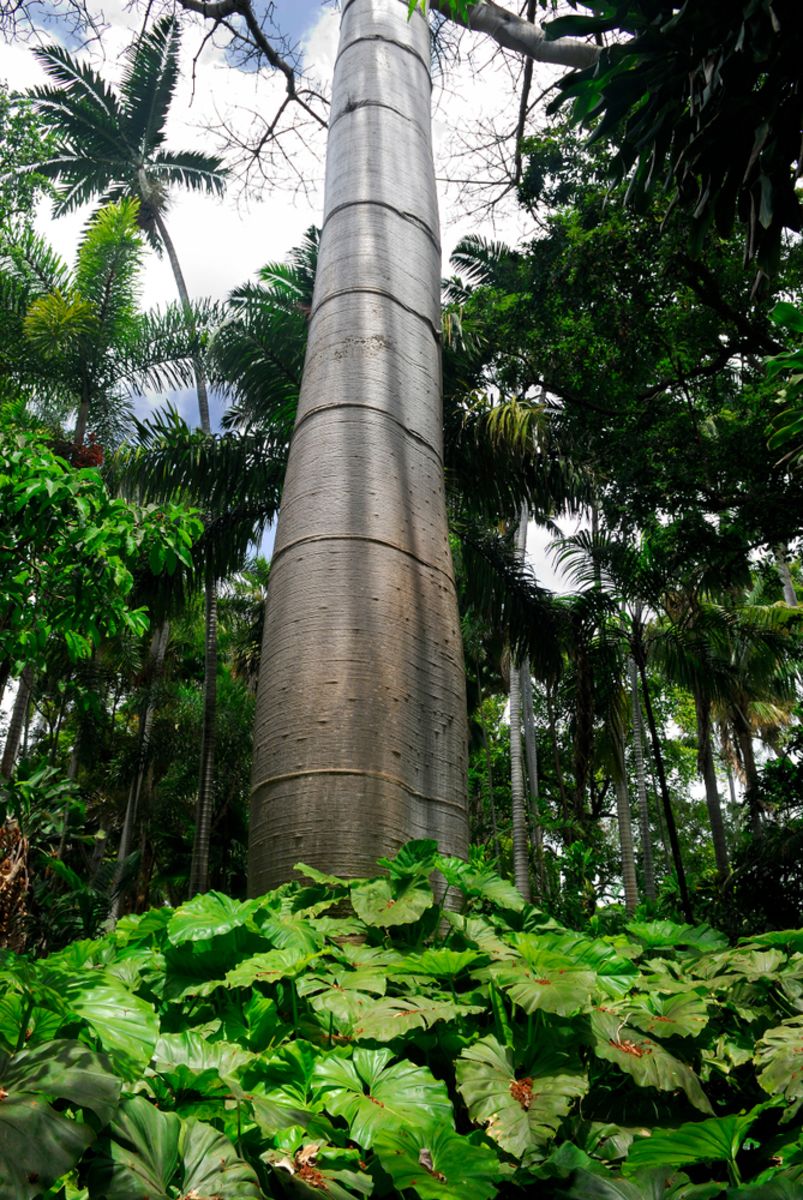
(424, 1033)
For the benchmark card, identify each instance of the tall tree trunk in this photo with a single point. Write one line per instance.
(744, 740)
(17, 722)
(647, 862)
(360, 738)
(789, 593)
(489, 773)
(625, 823)
(518, 803)
(705, 765)
(671, 827)
(157, 658)
(531, 751)
(199, 867)
(553, 737)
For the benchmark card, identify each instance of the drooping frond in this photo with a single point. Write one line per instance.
(149, 84)
(160, 351)
(76, 80)
(480, 259)
(188, 168)
(108, 266)
(35, 266)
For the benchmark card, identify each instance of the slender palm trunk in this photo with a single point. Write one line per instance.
(199, 868)
(744, 740)
(553, 737)
(789, 593)
(625, 823)
(531, 752)
(705, 763)
(157, 657)
(360, 738)
(521, 866)
(647, 861)
(671, 827)
(17, 722)
(489, 773)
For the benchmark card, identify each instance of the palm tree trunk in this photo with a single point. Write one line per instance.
(625, 823)
(199, 868)
(489, 773)
(671, 827)
(360, 738)
(17, 722)
(705, 764)
(647, 862)
(744, 739)
(157, 657)
(789, 593)
(521, 869)
(553, 737)
(531, 752)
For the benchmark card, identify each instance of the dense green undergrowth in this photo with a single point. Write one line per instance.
(362, 1039)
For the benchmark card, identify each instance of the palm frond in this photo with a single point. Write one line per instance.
(480, 259)
(149, 83)
(77, 80)
(188, 168)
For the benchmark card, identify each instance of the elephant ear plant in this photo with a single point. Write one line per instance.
(353, 1038)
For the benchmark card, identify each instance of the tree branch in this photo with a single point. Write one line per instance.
(524, 37)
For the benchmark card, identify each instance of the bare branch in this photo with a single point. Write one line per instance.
(520, 35)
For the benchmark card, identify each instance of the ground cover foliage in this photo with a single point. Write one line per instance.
(386, 1038)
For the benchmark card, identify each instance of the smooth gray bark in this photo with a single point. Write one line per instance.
(531, 754)
(785, 575)
(647, 860)
(16, 723)
(360, 736)
(705, 764)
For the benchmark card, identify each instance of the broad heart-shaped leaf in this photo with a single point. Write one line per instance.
(718, 1139)
(316, 1167)
(138, 1156)
(387, 902)
(545, 981)
(37, 1143)
(439, 1164)
(779, 1059)
(270, 967)
(373, 1093)
(368, 1018)
(188, 1062)
(659, 1184)
(126, 1025)
(208, 916)
(615, 973)
(521, 1112)
(371, 980)
(280, 1089)
(479, 883)
(211, 1166)
(439, 962)
(413, 859)
(675, 1016)
(668, 935)
(647, 1061)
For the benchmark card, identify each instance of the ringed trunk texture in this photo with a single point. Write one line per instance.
(360, 736)
(518, 799)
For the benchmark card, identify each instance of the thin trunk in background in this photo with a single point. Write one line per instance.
(521, 865)
(16, 724)
(705, 765)
(157, 658)
(789, 593)
(489, 773)
(671, 827)
(199, 868)
(360, 735)
(625, 823)
(647, 861)
(744, 740)
(531, 751)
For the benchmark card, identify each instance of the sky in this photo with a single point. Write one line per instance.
(222, 242)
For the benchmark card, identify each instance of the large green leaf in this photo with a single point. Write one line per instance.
(680, 1015)
(367, 1018)
(208, 916)
(650, 1185)
(270, 967)
(646, 1060)
(372, 1093)
(212, 1167)
(545, 981)
(38, 1144)
(190, 1063)
(126, 1025)
(280, 1089)
(668, 935)
(139, 1156)
(521, 1110)
(615, 972)
(779, 1059)
(718, 1139)
(388, 902)
(439, 1164)
(480, 883)
(317, 1169)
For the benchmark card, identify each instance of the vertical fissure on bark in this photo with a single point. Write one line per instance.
(360, 734)
(647, 860)
(16, 723)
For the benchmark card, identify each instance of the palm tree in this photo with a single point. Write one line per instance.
(112, 144)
